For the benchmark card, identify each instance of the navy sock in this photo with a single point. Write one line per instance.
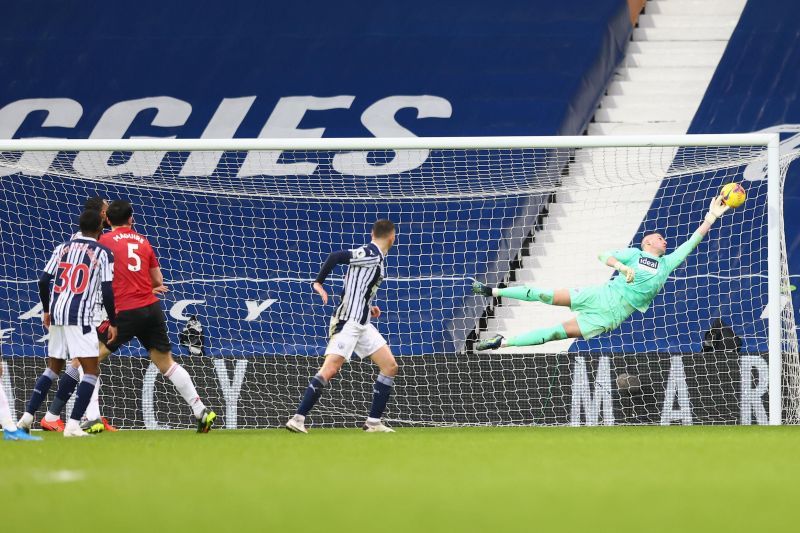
(380, 395)
(66, 386)
(312, 394)
(40, 390)
(85, 390)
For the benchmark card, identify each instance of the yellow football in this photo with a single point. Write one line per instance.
(733, 194)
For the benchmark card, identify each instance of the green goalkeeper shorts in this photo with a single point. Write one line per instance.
(600, 309)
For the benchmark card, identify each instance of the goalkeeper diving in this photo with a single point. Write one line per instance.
(602, 308)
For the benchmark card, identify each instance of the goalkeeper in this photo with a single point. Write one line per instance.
(603, 308)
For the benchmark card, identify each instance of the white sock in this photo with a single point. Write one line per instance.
(50, 417)
(300, 418)
(183, 382)
(26, 420)
(373, 421)
(93, 409)
(73, 424)
(5, 412)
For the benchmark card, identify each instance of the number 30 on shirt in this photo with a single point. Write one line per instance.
(76, 277)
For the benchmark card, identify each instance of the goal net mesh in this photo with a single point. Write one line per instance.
(241, 235)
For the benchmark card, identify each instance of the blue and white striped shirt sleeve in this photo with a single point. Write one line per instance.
(107, 268)
(52, 265)
(363, 257)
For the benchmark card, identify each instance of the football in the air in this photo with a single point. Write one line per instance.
(733, 195)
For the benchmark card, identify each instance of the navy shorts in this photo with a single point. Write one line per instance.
(147, 324)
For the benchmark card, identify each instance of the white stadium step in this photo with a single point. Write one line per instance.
(589, 198)
(640, 112)
(635, 88)
(688, 23)
(661, 99)
(673, 47)
(695, 7)
(676, 59)
(714, 33)
(556, 263)
(563, 279)
(638, 128)
(504, 312)
(665, 74)
(523, 316)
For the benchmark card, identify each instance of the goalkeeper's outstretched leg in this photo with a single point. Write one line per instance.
(567, 330)
(601, 309)
(561, 297)
(527, 293)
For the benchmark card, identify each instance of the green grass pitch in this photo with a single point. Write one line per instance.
(422, 479)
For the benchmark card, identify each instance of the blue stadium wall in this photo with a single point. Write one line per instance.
(417, 68)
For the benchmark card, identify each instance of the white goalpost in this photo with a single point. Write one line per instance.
(241, 227)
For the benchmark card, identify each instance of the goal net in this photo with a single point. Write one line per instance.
(241, 228)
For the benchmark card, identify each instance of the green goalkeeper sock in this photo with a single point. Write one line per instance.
(529, 294)
(539, 336)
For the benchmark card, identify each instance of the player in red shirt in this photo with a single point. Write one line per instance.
(137, 282)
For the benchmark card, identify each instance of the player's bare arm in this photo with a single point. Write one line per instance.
(157, 281)
(319, 289)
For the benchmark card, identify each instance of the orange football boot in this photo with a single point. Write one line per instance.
(107, 425)
(58, 425)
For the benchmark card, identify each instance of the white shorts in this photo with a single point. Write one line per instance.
(72, 342)
(363, 340)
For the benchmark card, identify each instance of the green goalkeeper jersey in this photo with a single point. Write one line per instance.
(651, 271)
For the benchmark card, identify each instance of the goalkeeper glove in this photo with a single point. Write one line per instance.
(626, 271)
(716, 209)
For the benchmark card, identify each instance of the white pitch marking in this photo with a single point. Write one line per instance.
(61, 476)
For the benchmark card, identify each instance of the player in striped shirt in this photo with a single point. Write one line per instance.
(642, 274)
(83, 272)
(350, 328)
(95, 422)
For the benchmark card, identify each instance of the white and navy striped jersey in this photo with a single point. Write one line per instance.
(361, 282)
(79, 267)
(99, 311)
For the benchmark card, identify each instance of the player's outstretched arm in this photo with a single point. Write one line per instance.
(716, 209)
